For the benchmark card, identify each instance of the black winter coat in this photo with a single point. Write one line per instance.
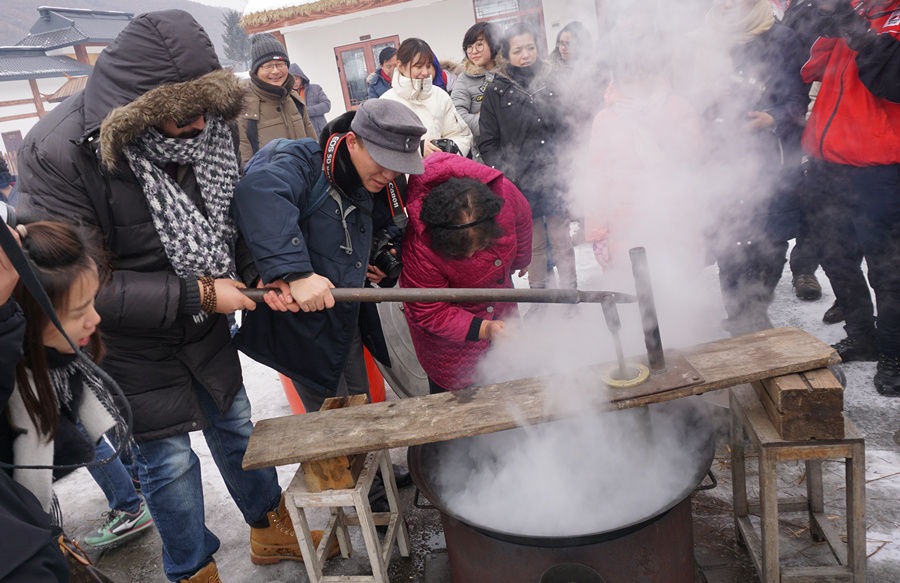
(268, 204)
(522, 132)
(767, 78)
(154, 348)
(28, 550)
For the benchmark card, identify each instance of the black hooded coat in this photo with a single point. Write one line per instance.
(161, 66)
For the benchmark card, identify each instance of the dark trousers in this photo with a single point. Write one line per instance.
(841, 252)
(875, 204)
(806, 254)
(748, 274)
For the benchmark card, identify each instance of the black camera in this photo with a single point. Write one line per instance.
(446, 145)
(382, 258)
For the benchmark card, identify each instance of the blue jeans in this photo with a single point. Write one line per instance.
(114, 480)
(170, 480)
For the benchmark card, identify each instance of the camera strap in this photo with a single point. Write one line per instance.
(29, 278)
(392, 191)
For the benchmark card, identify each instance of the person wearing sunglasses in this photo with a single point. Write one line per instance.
(158, 197)
(272, 109)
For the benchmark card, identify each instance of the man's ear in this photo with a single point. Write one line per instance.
(352, 141)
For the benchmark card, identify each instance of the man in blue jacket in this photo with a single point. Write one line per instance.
(308, 213)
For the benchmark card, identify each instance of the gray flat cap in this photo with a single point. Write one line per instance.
(391, 133)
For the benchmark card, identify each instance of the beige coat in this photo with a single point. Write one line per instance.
(276, 115)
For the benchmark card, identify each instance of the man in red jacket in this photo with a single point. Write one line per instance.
(855, 125)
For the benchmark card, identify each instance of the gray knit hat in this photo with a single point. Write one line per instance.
(264, 48)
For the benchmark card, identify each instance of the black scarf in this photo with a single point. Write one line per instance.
(524, 76)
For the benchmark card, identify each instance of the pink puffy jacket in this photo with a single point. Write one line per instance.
(439, 330)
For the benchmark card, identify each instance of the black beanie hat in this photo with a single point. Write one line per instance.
(264, 48)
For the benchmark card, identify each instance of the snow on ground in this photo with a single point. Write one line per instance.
(877, 418)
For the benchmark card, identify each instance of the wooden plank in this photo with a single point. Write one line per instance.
(496, 407)
(337, 473)
(830, 574)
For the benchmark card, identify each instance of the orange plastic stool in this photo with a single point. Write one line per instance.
(376, 386)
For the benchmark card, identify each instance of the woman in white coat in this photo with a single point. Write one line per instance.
(412, 87)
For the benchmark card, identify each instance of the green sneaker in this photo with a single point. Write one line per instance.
(120, 526)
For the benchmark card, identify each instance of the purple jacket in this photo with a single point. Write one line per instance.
(439, 330)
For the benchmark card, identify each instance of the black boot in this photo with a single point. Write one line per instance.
(856, 348)
(887, 376)
(806, 287)
(834, 314)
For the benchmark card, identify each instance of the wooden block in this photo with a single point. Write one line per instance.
(337, 473)
(489, 408)
(801, 409)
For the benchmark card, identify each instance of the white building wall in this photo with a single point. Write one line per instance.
(558, 13)
(12, 90)
(442, 23)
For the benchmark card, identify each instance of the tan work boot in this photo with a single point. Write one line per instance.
(208, 574)
(278, 541)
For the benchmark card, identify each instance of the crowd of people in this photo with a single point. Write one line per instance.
(160, 192)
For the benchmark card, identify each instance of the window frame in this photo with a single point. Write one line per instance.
(370, 59)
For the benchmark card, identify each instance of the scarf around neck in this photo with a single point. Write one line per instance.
(196, 244)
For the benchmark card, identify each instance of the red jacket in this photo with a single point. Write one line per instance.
(439, 330)
(851, 123)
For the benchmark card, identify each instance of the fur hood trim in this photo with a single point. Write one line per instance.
(474, 70)
(218, 92)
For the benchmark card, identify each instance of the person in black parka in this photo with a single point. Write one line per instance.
(29, 552)
(144, 159)
(523, 134)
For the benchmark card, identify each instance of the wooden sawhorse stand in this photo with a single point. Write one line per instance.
(297, 498)
(748, 417)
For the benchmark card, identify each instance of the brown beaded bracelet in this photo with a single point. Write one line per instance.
(208, 302)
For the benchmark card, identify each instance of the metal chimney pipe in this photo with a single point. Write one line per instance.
(644, 291)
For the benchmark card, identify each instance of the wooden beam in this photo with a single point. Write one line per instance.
(81, 54)
(19, 116)
(12, 102)
(490, 408)
(38, 98)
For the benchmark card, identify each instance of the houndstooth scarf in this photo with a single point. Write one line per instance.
(195, 244)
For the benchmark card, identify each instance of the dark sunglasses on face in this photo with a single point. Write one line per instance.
(188, 121)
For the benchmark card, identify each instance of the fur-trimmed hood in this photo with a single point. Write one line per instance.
(217, 93)
(162, 65)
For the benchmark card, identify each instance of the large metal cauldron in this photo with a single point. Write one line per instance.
(655, 548)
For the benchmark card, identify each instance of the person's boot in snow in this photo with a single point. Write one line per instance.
(806, 287)
(887, 376)
(278, 541)
(834, 314)
(208, 574)
(856, 348)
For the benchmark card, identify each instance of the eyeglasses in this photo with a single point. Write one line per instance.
(189, 120)
(476, 46)
(564, 44)
(281, 65)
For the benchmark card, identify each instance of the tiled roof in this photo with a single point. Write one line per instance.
(18, 63)
(54, 39)
(60, 27)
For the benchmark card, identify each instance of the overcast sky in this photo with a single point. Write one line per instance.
(235, 4)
